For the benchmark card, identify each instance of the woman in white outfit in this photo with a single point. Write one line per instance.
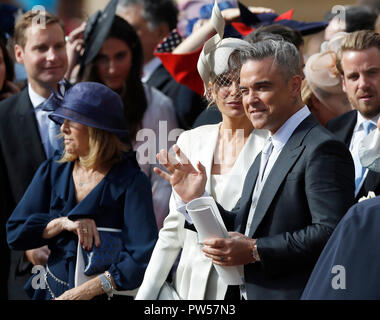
(226, 150)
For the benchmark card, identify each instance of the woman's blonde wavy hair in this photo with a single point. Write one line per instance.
(105, 149)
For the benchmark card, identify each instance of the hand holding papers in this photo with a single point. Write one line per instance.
(208, 222)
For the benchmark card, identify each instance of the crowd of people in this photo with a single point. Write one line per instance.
(152, 104)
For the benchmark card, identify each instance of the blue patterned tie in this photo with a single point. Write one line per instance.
(368, 126)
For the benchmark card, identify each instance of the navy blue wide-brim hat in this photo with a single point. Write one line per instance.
(91, 104)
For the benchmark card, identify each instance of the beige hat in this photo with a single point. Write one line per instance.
(323, 77)
(213, 60)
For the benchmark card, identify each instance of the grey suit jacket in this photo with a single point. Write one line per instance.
(307, 192)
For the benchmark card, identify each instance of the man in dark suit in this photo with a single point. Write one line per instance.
(294, 194)
(338, 273)
(359, 64)
(153, 20)
(212, 115)
(24, 138)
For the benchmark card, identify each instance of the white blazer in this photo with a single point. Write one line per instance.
(194, 268)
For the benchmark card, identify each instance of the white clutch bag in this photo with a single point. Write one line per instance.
(167, 292)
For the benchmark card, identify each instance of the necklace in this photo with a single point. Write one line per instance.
(93, 176)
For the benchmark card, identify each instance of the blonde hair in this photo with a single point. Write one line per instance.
(357, 41)
(105, 149)
(306, 92)
(28, 19)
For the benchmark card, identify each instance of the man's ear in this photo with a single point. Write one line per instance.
(343, 84)
(296, 85)
(19, 54)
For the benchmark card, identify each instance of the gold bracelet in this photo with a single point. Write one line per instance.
(255, 253)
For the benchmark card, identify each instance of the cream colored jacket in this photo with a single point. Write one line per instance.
(193, 271)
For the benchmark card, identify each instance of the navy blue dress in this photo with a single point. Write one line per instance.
(348, 267)
(122, 200)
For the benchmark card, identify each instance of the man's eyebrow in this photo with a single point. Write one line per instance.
(262, 82)
(39, 45)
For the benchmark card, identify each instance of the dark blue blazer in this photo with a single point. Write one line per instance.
(349, 265)
(309, 189)
(121, 200)
(21, 153)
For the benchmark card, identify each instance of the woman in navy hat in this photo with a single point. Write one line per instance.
(96, 182)
(113, 56)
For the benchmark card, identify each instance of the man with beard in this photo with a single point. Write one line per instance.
(359, 65)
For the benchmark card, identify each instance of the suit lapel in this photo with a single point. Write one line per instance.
(344, 129)
(371, 183)
(29, 136)
(246, 197)
(348, 130)
(159, 78)
(285, 161)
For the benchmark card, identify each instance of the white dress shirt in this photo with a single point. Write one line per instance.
(43, 120)
(357, 136)
(41, 116)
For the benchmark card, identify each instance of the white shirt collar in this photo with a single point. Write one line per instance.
(282, 135)
(35, 98)
(149, 68)
(361, 119)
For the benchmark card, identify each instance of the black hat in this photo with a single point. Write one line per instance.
(253, 21)
(8, 13)
(96, 32)
(356, 17)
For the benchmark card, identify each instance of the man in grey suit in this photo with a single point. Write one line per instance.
(294, 194)
(24, 125)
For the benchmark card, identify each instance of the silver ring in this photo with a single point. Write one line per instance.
(222, 258)
(85, 230)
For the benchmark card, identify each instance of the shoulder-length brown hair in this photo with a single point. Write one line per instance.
(105, 149)
(133, 93)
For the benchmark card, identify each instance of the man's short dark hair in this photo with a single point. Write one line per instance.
(284, 54)
(287, 34)
(155, 12)
(357, 18)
